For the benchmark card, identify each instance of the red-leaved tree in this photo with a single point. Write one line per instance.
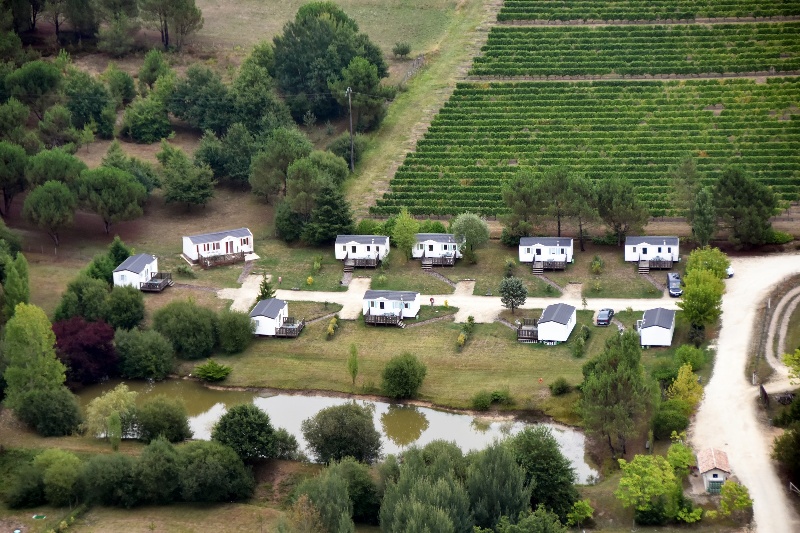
(87, 350)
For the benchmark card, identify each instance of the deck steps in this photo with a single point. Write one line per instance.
(644, 267)
(537, 268)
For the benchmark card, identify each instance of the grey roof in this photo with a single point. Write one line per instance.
(547, 241)
(559, 313)
(268, 308)
(391, 295)
(447, 238)
(663, 318)
(651, 239)
(135, 263)
(219, 235)
(361, 239)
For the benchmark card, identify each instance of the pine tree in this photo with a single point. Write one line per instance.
(331, 217)
(16, 285)
(265, 290)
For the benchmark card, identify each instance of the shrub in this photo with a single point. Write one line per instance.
(25, 488)
(687, 354)
(778, 237)
(596, 266)
(341, 147)
(585, 332)
(482, 401)
(286, 446)
(163, 416)
(234, 331)
(333, 325)
(212, 371)
(578, 347)
(462, 339)
(212, 472)
(186, 271)
(124, 307)
(609, 239)
(111, 480)
(248, 431)
(403, 376)
(52, 413)
(146, 121)
(190, 328)
(510, 267)
(667, 420)
(559, 386)
(502, 396)
(343, 431)
(401, 49)
(144, 354)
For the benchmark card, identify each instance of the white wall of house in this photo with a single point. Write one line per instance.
(382, 306)
(354, 250)
(225, 245)
(126, 278)
(715, 474)
(431, 248)
(553, 331)
(266, 325)
(542, 252)
(652, 250)
(656, 335)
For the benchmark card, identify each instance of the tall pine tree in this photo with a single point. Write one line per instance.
(330, 217)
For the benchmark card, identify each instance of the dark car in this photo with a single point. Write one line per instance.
(604, 317)
(674, 284)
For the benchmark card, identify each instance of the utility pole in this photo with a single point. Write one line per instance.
(349, 93)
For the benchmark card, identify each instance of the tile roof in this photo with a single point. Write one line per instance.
(709, 459)
(219, 235)
(406, 296)
(652, 240)
(559, 313)
(135, 263)
(663, 318)
(268, 308)
(361, 239)
(546, 241)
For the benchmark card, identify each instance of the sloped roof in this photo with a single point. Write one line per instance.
(268, 308)
(658, 317)
(546, 241)
(709, 459)
(652, 240)
(361, 239)
(135, 263)
(446, 238)
(406, 296)
(559, 313)
(219, 235)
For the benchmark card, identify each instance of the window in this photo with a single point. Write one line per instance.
(644, 251)
(527, 250)
(562, 250)
(372, 304)
(715, 476)
(245, 241)
(368, 249)
(419, 246)
(215, 246)
(538, 251)
(122, 278)
(353, 249)
(205, 247)
(634, 249)
(659, 249)
(377, 248)
(405, 305)
(381, 305)
(669, 249)
(430, 247)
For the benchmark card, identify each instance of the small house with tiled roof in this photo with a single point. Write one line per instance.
(712, 464)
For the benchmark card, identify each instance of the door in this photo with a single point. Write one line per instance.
(714, 487)
(228, 247)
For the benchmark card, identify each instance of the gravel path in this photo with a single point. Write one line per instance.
(727, 418)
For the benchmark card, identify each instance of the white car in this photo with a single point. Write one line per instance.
(729, 271)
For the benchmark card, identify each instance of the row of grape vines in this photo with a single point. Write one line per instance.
(644, 10)
(488, 131)
(679, 49)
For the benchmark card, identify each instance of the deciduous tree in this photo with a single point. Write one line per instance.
(163, 416)
(84, 297)
(110, 479)
(711, 259)
(212, 472)
(50, 412)
(89, 102)
(120, 400)
(619, 207)
(124, 308)
(647, 483)
(367, 97)
(144, 354)
(248, 431)
(513, 293)
(234, 331)
(328, 492)
(86, 349)
(403, 376)
(470, 228)
(202, 100)
(16, 288)
(269, 168)
(158, 472)
(146, 121)
(343, 431)
(188, 327)
(404, 232)
(50, 206)
(702, 297)
(60, 473)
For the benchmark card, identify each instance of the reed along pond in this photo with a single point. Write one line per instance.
(400, 425)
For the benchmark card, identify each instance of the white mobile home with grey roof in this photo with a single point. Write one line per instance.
(545, 249)
(403, 304)
(135, 270)
(656, 327)
(230, 241)
(268, 316)
(557, 322)
(436, 245)
(361, 247)
(650, 247)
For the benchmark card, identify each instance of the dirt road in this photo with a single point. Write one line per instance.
(727, 417)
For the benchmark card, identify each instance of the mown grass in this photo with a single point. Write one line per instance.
(401, 274)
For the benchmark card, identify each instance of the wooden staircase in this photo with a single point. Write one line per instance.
(538, 268)
(644, 266)
(401, 324)
(349, 264)
(427, 264)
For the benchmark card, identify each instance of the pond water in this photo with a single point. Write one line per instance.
(400, 426)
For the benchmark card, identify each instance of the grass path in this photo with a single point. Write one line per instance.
(412, 111)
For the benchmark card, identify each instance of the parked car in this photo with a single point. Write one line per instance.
(674, 284)
(604, 317)
(729, 271)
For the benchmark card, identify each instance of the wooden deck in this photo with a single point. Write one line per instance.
(157, 283)
(210, 261)
(528, 330)
(540, 266)
(385, 320)
(351, 263)
(430, 262)
(290, 328)
(660, 264)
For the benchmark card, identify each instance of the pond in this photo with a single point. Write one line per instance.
(400, 426)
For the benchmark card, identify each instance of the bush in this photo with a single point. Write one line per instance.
(578, 348)
(779, 237)
(234, 330)
(596, 266)
(212, 472)
(190, 328)
(25, 488)
(559, 386)
(341, 147)
(343, 431)
(667, 420)
(286, 446)
(111, 480)
(510, 267)
(502, 396)
(146, 121)
(403, 376)
(124, 308)
(691, 355)
(585, 332)
(212, 371)
(157, 473)
(186, 271)
(52, 413)
(333, 325)
(368, 226)
(788, 415)
(248, 431)
(144, 354)
(163, 417)
(401, 49)
(609, 239)
(482, 400)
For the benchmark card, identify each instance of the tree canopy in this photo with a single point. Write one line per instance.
(513, 293)
(744, 207)
(248, 430)
(343, 431)
(619, 207)
(113, 194)
(50, 206)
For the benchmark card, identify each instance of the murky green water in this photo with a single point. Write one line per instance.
(400, 425)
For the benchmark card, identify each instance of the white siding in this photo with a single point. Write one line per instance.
(656, 336)
(543, 252)
(126, 278)
(553, 331)
(266, 326)
(391, 307)
(709, 476)
(235, 245)
(353, 250)
(435, 249)
(649, 251)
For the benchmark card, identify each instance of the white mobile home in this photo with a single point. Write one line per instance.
(714, 467)
(656, 327)
(404, 304)
(545, 249)
(557, 322)
(135, 270)
(362, 247)
(268, 316)
(435, 245)
(650, 247)
(218, 243)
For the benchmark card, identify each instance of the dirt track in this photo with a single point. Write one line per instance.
(727, 418)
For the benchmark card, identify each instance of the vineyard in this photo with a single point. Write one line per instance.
(641, 10)
(627, 50)
(486, 132)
